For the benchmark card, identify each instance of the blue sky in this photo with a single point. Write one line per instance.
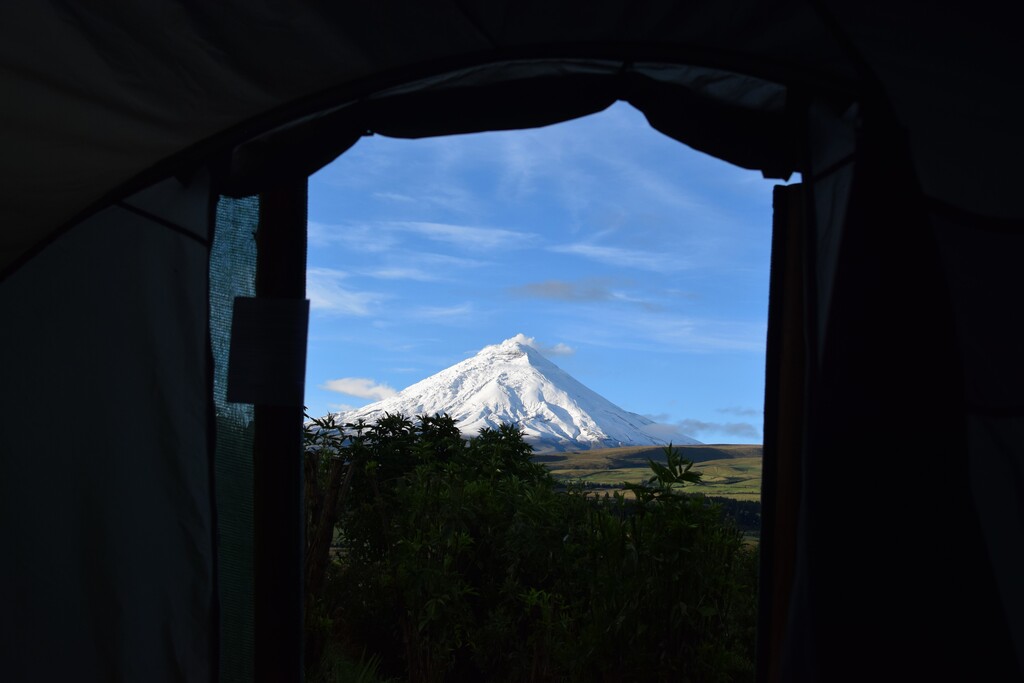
(636, 264)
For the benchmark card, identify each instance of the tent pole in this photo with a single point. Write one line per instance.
(783, 427)
(278, 517)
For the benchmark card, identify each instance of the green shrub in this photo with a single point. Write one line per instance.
(460, 561)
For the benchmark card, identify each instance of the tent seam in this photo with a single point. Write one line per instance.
(163, 222)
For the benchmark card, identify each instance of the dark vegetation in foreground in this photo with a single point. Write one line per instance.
(435, 558)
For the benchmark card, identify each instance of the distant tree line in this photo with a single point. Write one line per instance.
(458, 560)
(746, 514)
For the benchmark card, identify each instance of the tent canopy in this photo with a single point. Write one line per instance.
(101, 104)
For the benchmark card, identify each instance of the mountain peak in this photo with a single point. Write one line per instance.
(518, 345)
(513, 382)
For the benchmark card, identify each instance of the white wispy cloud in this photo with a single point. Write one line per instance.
(360, 387)
(363, 237)
(421, 266)
(400, 273)
(660, 331)
(559, 349)
(470, 236)
(521, 160)
(582, 291)
(455, 312)
(618, 256)
(654, 189)
(446, 195)
(393, 197)
(380, 237)
(696, 334)
(426, 259)
(326, 293)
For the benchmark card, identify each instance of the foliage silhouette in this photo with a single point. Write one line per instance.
(458, 560)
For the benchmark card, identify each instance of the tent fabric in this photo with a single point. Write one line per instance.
(743, 119)
(888, 392)
(981, 276)
(119, 127)
(122, 98)
(105, 487)
(832, 139)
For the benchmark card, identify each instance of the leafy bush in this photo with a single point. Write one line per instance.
(458, 560)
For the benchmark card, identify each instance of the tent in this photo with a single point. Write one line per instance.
(149, 514)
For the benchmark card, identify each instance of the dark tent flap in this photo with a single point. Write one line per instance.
(735, 118)
(268, 351)
(739, 118)
(106, 507)
(433, 107)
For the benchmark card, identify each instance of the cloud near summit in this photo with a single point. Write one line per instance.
(558, 349)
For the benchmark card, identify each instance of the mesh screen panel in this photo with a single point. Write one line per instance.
(232, 273)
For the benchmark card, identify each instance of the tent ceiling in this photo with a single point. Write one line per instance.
(739, 118)
(102, 103)
(98, 103)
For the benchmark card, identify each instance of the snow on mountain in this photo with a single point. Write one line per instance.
(513, 382)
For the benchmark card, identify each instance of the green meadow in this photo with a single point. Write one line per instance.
(729, 470)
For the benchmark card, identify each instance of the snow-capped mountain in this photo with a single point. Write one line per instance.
(513, 382)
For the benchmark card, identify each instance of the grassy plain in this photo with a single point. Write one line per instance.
(730, 470)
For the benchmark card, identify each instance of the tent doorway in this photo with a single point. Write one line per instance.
(768, 144)
(697, 235)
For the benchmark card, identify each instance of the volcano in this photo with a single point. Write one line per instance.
(513, 382)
